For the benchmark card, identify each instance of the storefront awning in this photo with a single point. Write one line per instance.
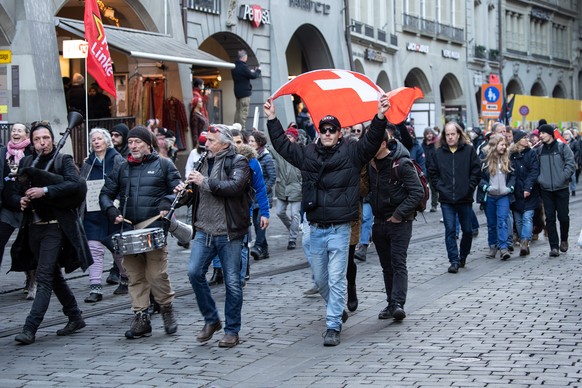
(148, 45)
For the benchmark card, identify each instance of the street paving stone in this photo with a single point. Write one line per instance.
(496, 324)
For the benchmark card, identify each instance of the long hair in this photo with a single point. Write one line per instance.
(494, 159)
(442, 141)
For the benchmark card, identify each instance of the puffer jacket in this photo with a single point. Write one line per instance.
(269, 170)
(556, 166)
(455, 175)
(151, 187)
(526, 167)
(338, 187)
(391, 197)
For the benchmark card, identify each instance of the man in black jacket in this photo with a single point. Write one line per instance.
(242, 76)
(395, 192)
(50, 235)
(144, 183)
(330, 170)
(221, 218)
(454, 171)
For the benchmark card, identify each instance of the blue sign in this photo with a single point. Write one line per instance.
(492, 94)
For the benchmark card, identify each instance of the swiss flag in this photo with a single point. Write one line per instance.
(350, 96)
(558, 136)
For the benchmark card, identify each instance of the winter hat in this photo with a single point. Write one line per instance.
(330, 120)
(546, 128)
(78, 79)
(292, 131)
(535, 132)
(122, 129)
(542, 122)
(518, 135)
(142, 133)
(202, 138)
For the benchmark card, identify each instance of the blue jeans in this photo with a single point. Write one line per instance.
(474, 222)
(204, 248)
(329, 248)
(260, 234)
(244, 256)
(450, 214)
(497, 212)
(524, 222)
(45, 243)
(367, 221)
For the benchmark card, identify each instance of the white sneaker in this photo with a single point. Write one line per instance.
(31, 291)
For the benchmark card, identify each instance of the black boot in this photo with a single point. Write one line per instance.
(170, 323)
(140, 326)
(352, 298)
(217, 277)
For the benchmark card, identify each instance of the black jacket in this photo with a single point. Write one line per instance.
(151, 185)
(455, 175)
(234, 187)
(526, 168)
(389, 196)
(242, 76)
(75, 249)
(338, 188)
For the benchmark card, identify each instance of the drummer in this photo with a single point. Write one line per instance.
(144, 183)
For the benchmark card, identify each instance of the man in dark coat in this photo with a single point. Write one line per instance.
(242, 76)
(51, 233)
(330, 170)
(119, 139)
(454, 171)
(145, 183)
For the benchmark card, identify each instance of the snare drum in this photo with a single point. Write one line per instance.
(139, 241)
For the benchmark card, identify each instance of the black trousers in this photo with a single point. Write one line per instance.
(5, 233)
(557, 202)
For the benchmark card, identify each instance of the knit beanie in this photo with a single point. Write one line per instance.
(546, 128)
(141, 133)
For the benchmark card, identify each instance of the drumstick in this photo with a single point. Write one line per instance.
(128, 221)
(146, 223)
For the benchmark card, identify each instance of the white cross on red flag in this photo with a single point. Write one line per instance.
(99, 63)
(349, 96)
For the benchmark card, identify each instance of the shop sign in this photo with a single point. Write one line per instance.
(255, 14)
(374, 55)
(5, 56)
(75, 48)
(309, 5)
(417, 47)
(451, 54)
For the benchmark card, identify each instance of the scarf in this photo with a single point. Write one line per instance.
(16, 150)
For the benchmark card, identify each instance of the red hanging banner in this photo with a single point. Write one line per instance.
(99, 63)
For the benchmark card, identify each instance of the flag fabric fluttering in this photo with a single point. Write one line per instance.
(349, 96)
(99, 63)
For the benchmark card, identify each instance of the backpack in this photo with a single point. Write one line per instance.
(421, 207)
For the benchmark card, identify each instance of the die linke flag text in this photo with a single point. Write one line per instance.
(350, 96)
(99, 63)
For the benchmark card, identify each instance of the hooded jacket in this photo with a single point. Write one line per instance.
(338, 185)
(390, 197)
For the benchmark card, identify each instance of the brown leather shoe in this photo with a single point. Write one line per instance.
(228, 341)
(208, 331)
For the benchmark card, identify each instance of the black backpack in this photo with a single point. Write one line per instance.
(421, 207)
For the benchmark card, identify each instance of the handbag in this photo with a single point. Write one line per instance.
(309, 199)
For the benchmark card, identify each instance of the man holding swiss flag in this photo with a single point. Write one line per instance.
(330, 170)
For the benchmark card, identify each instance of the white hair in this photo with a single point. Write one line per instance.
(106, 136)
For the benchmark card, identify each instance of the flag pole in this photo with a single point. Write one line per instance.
(86, 108)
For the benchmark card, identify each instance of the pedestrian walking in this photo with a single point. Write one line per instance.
(330, 170)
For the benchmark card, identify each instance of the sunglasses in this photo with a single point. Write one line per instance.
(41, 123)
(217, 129)
(331, 130)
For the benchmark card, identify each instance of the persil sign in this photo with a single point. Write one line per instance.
(254, 14)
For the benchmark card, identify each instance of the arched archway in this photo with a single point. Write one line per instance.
(130, 13)
(559, 91)
(450, 88)
(416, 77)
(383, 81)
(358, 66)
(514, 86)
(307, 50)
(538, 89)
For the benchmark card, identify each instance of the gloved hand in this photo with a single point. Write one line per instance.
(486, 188)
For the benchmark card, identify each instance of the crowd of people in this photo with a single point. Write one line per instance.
(336, 192)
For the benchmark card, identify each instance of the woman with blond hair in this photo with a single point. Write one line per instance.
(497, 181)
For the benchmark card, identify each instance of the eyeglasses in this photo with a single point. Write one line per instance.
(42, 123)
(331, 130)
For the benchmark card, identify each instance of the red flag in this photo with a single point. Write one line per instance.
(558, 136)
(350, 96)
(99, 63)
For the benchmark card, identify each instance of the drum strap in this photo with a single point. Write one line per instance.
(125, 199)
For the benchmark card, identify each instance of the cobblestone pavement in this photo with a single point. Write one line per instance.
(493, 324)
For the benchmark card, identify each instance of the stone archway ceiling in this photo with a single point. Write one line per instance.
(383, 81)
(358, 67)
(513, 87)
(231, 43)
(314, 48)
(558, 92)
(450, 88)
(538, 89)
(416, 77)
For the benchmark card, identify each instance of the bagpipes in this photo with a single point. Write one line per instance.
(180, 230)
(28, 177)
